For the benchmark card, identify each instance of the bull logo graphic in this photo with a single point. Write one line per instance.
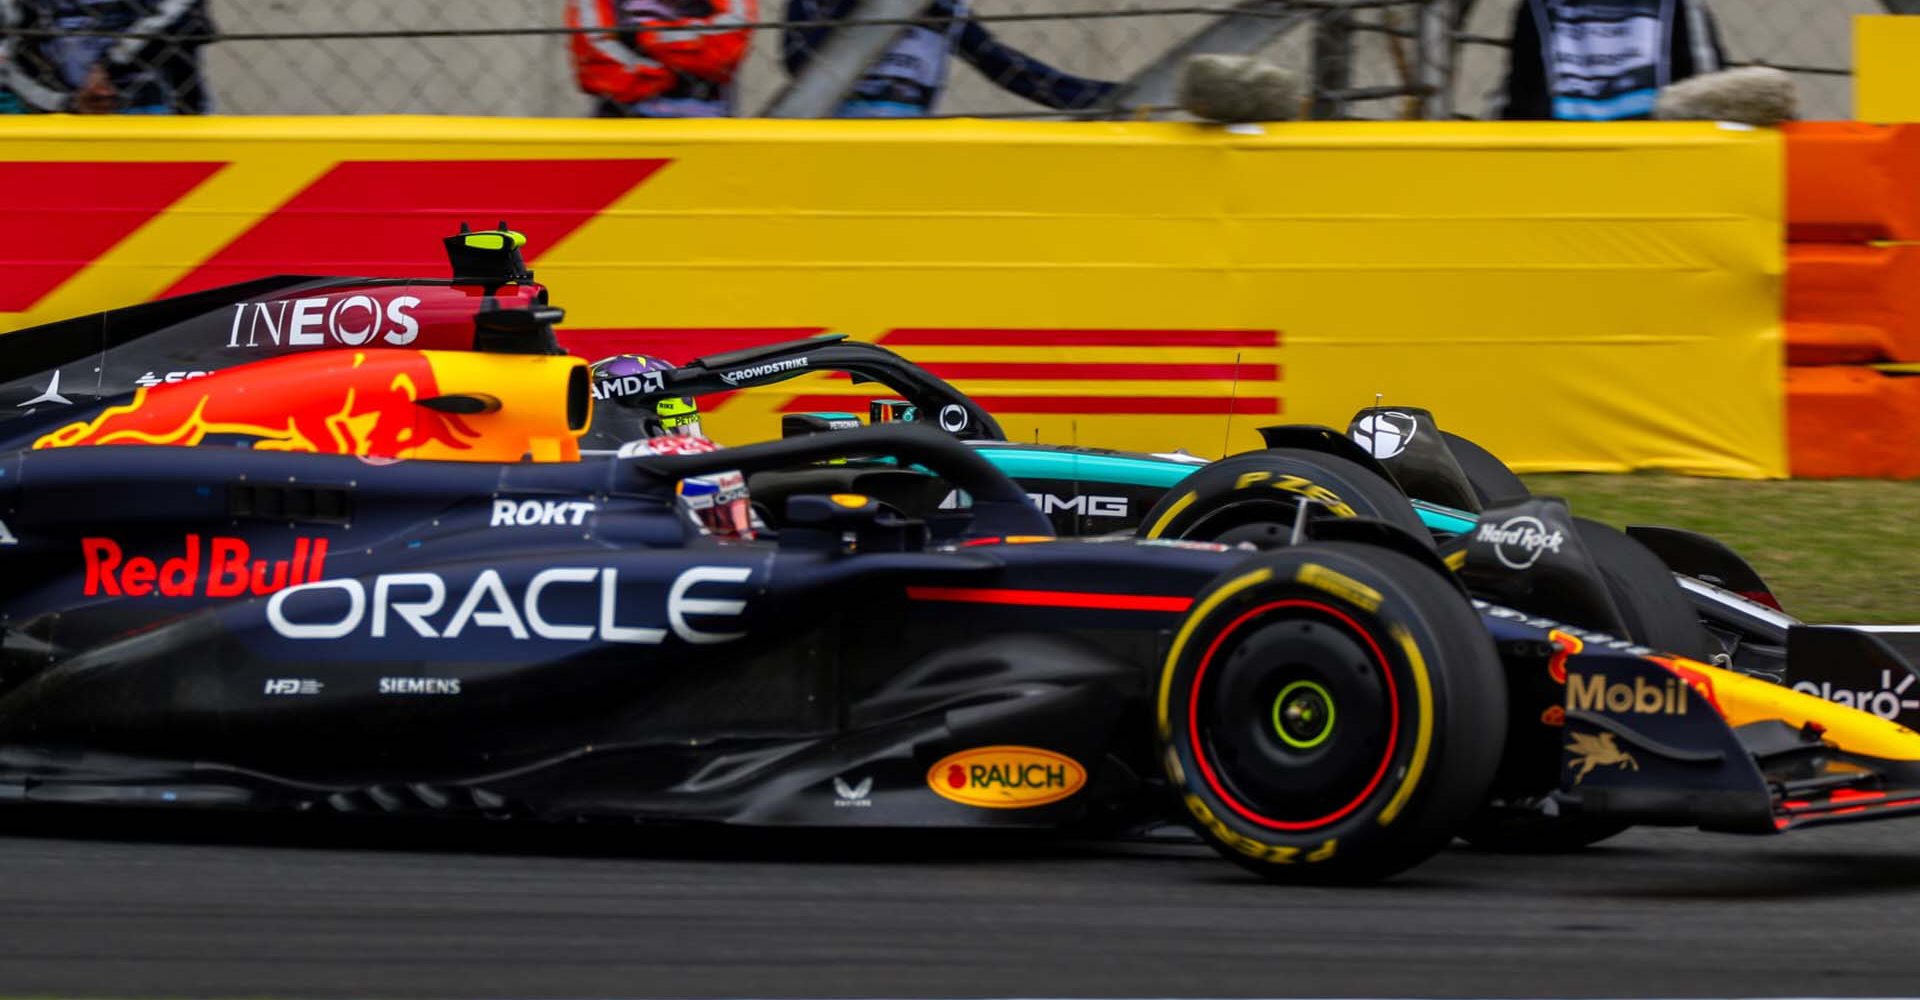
(367, 407)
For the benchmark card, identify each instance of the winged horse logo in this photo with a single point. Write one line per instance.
(1591, 751)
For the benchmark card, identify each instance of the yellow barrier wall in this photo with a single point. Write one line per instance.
(1886, 68)
(1575, 297)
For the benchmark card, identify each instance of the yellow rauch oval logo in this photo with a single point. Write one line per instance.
(1006, 777)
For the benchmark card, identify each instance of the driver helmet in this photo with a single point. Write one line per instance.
(719, 502)
(628, 405)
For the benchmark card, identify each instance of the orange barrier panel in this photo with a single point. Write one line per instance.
(1849, 182)
(1845, 422)
(1853, 299)
(1852, 303)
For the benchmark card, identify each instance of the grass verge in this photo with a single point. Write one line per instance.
(1833, 551)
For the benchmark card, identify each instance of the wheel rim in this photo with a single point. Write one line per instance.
(1293, 719)
(1264, 523)
(1304, 714)
(1259, 534)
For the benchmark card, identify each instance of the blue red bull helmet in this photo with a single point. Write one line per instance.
(628, 405)
(718, 502)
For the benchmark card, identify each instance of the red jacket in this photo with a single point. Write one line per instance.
(646, 53)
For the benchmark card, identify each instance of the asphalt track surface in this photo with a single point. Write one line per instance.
(134, 904)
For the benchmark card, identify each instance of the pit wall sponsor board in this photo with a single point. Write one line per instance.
(1553, 291)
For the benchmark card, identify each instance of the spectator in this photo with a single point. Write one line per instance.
(91, 74)
(907, 79)
(649, 64)
(9, 104)
(1604, 60)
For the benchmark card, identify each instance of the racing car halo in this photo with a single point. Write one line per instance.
(370, 569)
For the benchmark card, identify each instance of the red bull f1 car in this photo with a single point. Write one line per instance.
(333, 544)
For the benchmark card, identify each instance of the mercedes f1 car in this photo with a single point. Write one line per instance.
(357, 572)
(1391, 463)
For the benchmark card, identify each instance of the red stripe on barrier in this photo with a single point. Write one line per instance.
(956, 337)
(71, 213)
(1084, 405)
(1103, 371)
(1050, 599)
(386, 219)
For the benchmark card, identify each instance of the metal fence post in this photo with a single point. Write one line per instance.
(1332, 64)
(1437, 21)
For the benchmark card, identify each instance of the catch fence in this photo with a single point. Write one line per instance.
(1365, 58)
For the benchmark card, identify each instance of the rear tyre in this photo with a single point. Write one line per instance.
(1493, 483)
(1657, 612)
(1331, 712)
(1255, 497)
